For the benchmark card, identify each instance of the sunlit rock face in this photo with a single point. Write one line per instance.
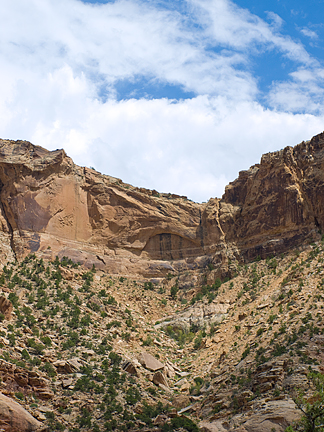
(53, 207)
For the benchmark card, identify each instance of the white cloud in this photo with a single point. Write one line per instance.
(57, 56)
(277, 21)
(234, 27)
(309, 33)
(304, 92)
(192, 147)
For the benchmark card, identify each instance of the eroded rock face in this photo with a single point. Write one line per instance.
(273, 414)
(18, 379)
(51, 206)
(266, 417)
(278, 203)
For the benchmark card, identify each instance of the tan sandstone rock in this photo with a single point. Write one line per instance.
(181, 401)
(14, 418)
(150, 362)
(274, 415)
(5, 307)
(159, 378)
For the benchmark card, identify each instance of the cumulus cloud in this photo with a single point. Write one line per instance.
(61, 63)
(309, 33)
(304, 92)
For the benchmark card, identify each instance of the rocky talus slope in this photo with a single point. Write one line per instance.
(51, 206)
(83, 350)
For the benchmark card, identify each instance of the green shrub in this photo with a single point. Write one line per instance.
(46, 341)
(180, 423)
(312, 409)
(20, 395)
(14, 299)
(85, 419)
(37, 347)
(49, 369)
(245, 353)
(148, 286)
(25, 355)
(198, 341)
(132, 395)
(260, 331)
(217, 284)
(148, 341)
(111, 300)
(114, 358)
(174, 291)
(12, 339)
(114, 323)
(149, 412)
(272, 318)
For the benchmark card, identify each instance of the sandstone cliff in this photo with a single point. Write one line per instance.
(53, 207)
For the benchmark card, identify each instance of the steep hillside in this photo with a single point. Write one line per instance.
(75, 346)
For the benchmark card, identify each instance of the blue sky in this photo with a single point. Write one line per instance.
(178, 95)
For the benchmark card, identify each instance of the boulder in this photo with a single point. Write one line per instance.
(67, 382)
(181, 401)
(128, 366)
(14, 418)
(273, 415)
(214, 426)
(161, 419)
(68, 366)
(266, 417)
(66, 273)
(150, 362)
(44, 394)
(159, 378)
(6, 307)
(183, 385)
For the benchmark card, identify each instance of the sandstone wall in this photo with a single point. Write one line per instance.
(53, 207)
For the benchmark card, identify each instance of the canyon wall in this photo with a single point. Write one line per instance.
(51, 206)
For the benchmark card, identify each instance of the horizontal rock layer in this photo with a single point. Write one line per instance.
(53, 207)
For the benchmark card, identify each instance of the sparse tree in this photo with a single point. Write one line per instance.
(311, 407)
